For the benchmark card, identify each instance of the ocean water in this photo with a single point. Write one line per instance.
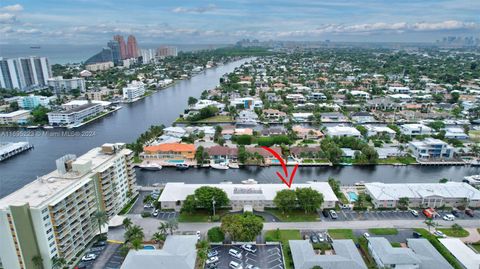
(64, 53)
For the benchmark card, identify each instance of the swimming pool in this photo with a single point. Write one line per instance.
(176, 161)
(353, 197)
(149, 247)
(290, 159)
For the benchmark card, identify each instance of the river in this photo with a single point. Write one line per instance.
(164, 107)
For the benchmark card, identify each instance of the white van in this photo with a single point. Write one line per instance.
(235, 253)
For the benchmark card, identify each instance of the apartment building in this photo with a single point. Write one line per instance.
(170, 151)
(24, 74)
(66, 85)
(133, 91)
(74, 116)
(15, 117)
(52, 216)
(32, 101)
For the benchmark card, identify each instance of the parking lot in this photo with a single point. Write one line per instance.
(350, 215)
(266, 256)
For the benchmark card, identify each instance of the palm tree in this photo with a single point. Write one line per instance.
(37, 261)
(127, 223)
(58, 263)
(136, 244)
(163, 228)
(101, 218)
(135, 232)
(430, 223)
(172, 225)
(158, 237)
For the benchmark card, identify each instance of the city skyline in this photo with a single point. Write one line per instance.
(86, 22)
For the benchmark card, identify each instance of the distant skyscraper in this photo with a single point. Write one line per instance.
(116, 53)
(122, 45)
(24, 73)
(165, 51)
(105, 55)
(132, 50)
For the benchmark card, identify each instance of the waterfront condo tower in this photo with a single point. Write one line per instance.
(24, 74)
(132, 49)
(122, 45)
(52, 216)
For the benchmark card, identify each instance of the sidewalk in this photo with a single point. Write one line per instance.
(473, 237)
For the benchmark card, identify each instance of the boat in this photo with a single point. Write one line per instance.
(35, 47)
(219, 166)
(249, 181)
(233, 165)
(473, 180)
(181, 166)
(48, 127)
(475, 163)
(32, 127)
(150, 166)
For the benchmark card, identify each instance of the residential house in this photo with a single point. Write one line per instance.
(360, 95)
(386, 256)
(220, 153)
(296, 98)
(177, 132)
(302, 152)
(469, 258)
(246, 103)
(273, 131)
(247, 117)
(455, 133)
(302, 117)
(431, 148)
(202, 103)
(415, 129)
(169, 151)
(362, 117)
(307, 133)
(333, 117)
(340, 130)
(317, 96)
(380, 131)
(274, 114)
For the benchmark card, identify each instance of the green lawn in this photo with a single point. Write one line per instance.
(219, 118)
(440, 248)
(383, 231)
(454, 232)
(294, 216)
(396, 245)
(342, 234)
(394, 160)
(198, 216)
(283, 236)
(476, 246)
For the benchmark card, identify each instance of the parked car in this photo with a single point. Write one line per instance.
(147, 206)
(320, 237)
(333, 214)
(366, 235)
(212, 266)
(250, 248)
(469, 212)
(211, 260)
(89, 257)
(416, 235)
(439, 234)
(430, 213)
(449, 217)
(314, 239)
(235, 265)
(198, 235)
(456, 213)
(155, 213)
(212, 253)
(235, 253)
(100, 244)
(249, 266)
(325, 213)
(414, 212)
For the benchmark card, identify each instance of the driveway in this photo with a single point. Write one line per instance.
(102, 260)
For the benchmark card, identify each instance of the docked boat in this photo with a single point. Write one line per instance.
(473, 180)
(219, 166)
(48, 127)
(475, 163)
(150, 166)
(32, 127)
(249, 181)
(233, 165)
(181, 166)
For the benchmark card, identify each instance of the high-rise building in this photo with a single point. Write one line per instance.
(66, 85)
(116, 53)
(53, 215)
(165, 51)
(132, 49)
(122, 45)
(148, 55)
(105, 55)
(24, 73)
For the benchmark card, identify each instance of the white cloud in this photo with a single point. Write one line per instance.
(194, 9)
(6, 18)
(12, 8)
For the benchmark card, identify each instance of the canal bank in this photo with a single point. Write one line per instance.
(348, 175)
(162, 107)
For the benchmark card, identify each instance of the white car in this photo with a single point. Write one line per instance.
(155, 213)
(213, 259)
(89, 257)
(366, 235)
(250, 248)
(198, 235)
(439, 234)
(449, 217)
(235, 265)
(235, 253)
(414, 212)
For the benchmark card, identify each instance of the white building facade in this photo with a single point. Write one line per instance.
(66, 85)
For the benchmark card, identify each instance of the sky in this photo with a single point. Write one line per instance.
(215, 22)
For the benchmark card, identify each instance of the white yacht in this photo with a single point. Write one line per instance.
(219, 166)
(150, 166)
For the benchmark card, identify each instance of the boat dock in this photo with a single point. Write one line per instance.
(11, 149)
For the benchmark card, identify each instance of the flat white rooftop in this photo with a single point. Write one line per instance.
(464, 254)
(178, 191)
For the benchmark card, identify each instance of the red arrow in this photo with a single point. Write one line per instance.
(284, 166)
